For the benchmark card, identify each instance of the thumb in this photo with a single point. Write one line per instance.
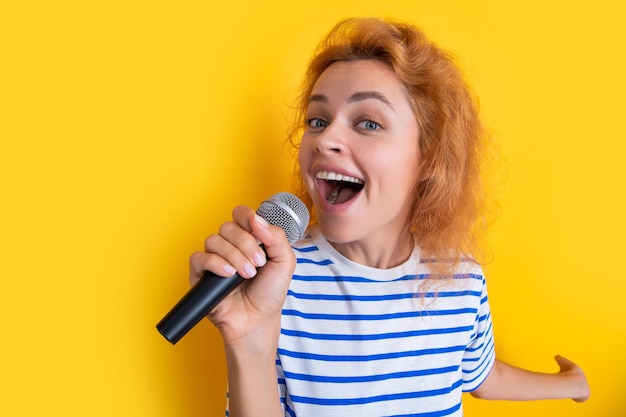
(564, 363)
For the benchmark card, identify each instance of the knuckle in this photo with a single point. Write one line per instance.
(239, 210)
(196, 258)
(211, 241)
(199, 261)
(227, 228)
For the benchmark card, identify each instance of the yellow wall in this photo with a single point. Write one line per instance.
(129, 129)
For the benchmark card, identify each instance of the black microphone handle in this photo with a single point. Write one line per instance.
(283, 210)
(207, 293)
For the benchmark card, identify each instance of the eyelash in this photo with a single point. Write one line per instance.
(312, 120)
(310, 123)
(369, 122)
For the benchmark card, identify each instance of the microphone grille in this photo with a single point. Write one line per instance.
(288, 212)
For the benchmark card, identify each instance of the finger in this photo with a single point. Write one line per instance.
(244, 217)
(199, 262)
(234, 250)
(564, 363)
(245, 241)
(242, 233)
(561, 361)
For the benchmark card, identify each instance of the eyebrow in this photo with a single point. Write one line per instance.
(358, 96)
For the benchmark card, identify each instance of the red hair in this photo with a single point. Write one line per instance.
(448, 212)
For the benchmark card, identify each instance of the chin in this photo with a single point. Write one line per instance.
(338, 231)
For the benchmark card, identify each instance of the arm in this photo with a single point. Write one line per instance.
(249, 318)
(507, 382)
(252, 381)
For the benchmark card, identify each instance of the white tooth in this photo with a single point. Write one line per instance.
(333, 176)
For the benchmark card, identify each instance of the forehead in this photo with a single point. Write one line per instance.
(347, 77)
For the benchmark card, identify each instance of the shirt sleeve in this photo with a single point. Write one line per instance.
(479, 355)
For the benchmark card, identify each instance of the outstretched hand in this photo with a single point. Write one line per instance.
(570, 370)
(508, 382)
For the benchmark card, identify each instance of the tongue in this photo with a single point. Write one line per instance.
(340, 194)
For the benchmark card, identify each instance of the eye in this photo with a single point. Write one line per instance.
(369, 125)
(316, 123)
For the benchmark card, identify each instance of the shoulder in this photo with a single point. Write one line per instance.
(465, 270)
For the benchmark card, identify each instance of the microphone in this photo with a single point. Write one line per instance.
(284, 210)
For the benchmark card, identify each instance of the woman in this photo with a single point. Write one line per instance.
(381, 310)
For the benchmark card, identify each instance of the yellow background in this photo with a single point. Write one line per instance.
(129, 130)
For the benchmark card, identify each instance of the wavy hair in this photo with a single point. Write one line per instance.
(449, 210)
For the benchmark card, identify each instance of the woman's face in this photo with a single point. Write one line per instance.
(359, 155)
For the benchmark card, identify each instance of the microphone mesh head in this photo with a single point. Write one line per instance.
(288, 212)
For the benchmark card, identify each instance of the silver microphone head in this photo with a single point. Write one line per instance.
(288, 212)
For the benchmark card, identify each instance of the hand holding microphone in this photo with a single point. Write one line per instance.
(236, 246)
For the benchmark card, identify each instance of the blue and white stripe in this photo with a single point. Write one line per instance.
(365, 341)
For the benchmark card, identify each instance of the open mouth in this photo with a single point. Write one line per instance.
(339, 188)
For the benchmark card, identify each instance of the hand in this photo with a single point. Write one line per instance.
(253, 309)
(570, 370)
(508, 382)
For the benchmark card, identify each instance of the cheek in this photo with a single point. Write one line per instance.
(395, 160)
(303, 156)
(304, 160)
(405, 167)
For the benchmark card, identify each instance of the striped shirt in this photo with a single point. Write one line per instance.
(365, 342)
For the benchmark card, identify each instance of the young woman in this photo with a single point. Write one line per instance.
(382, 309)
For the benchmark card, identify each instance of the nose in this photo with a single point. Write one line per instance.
(332, 140)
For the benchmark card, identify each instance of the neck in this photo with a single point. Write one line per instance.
(378, 252)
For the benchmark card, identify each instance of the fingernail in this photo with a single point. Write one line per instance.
(249, 270)
(229, 270)
(261, 220)
(259, 259)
